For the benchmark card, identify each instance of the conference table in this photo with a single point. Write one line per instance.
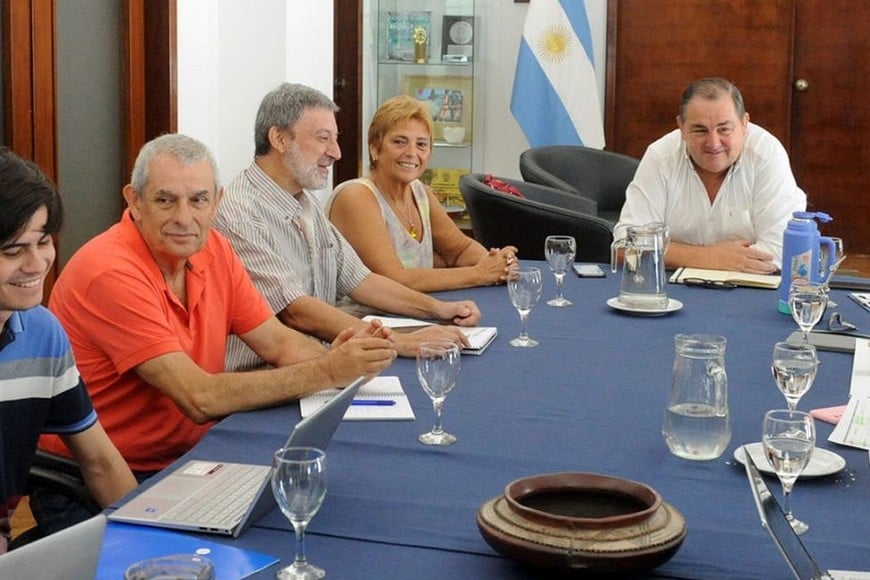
(589, 398)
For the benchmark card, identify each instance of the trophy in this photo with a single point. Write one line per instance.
(420, 38)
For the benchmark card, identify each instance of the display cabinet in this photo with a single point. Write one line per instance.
(428, 50)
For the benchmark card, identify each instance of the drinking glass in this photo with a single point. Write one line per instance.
(794, 369)
(299, 486)
(560, 251)
(835, 265)
(839, 256)
(524, 287)
(789, 438)
(807, 303)
(437, 370)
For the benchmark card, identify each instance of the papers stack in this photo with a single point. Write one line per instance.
(382, 398)
(479, 337)
(853, 429)
(739, 278)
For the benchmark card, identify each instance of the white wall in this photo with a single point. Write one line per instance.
(231, 53)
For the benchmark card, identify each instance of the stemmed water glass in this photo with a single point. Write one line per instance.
(560, 251)
(789, 438)
(807, 303)
(794, 368)
(524, 287)
(437, 370)
(299, 486)
(838, 258)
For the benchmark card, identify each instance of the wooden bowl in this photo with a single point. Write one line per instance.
(583, 523)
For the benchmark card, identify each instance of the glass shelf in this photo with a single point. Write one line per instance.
(430, 62)
(454, 145)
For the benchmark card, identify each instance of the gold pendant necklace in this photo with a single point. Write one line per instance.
(412, 229)
(401, 212)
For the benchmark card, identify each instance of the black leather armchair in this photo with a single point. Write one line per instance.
(501, 219)
(599, 176)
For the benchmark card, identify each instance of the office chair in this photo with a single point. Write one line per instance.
(600, 176)
(499, 218)
(55, 474)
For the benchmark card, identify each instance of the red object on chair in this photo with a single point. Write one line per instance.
(499, 185)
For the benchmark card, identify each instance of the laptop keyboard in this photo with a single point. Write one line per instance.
(222, 502)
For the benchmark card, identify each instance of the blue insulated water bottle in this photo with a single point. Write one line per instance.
(801, 244)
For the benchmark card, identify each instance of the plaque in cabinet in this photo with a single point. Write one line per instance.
(457, 38)
(401, 28)
(444, 182)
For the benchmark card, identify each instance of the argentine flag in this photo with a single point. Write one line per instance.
(555, 96)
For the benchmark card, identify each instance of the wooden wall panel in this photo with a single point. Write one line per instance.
(655, 48)
(29, 87)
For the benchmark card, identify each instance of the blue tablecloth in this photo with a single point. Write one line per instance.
(590, 398)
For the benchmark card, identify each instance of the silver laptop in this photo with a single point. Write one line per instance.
(70, 553)
(790, 546)
(225, 498)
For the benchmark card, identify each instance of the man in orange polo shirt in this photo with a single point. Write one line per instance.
(149, 306)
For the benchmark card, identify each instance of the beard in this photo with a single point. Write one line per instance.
(306, 176)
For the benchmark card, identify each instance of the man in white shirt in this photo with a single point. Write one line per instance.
(722, 185)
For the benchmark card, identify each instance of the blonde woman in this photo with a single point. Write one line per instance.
(395, 223)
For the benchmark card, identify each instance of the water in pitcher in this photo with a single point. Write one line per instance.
(696, 431)
(696, 424)
(643, 281)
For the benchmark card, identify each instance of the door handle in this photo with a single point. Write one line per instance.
(802, 85)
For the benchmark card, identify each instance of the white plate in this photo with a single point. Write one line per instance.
(673, 306)
(824, 462)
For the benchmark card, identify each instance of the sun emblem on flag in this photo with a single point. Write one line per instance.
(554, 43)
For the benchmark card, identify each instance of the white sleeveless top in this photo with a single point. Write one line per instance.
(412, 253)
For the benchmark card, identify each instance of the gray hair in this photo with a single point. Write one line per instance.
(185, 149)
(712, 88)
(282, 107)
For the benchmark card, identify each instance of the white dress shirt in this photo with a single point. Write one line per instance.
(755, 201)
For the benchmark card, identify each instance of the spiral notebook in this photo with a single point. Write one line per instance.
(380, 399)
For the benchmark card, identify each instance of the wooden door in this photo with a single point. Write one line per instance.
(830, 151)
(347, 93)
(656, 47)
